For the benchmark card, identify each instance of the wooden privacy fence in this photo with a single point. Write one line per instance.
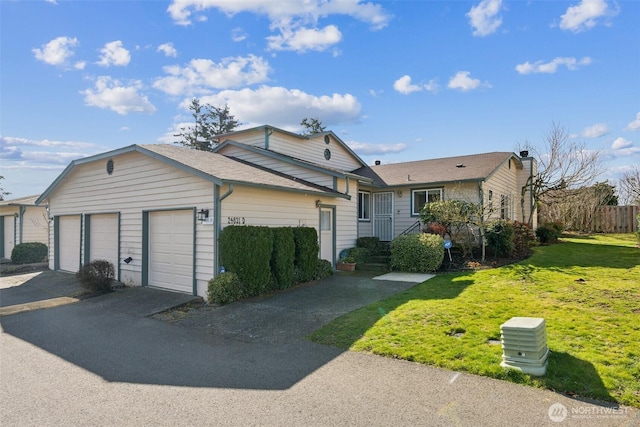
(615, 219)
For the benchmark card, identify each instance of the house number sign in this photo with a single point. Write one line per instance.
(235, 220)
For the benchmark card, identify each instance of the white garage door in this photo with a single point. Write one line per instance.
(103, 241)
(171, 250)
(69, 245)
(8, 235)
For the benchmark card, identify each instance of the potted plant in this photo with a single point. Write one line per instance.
(347, 263)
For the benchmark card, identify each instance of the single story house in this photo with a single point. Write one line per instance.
(155, 211)
(391, 204)
(22, 221)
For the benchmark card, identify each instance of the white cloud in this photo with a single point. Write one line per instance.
(621, 143)
(595, 131)
(57, 51)
(294, 22)
(464, 82)
(238, 34)
(484, 17)
(111, 94)
(365, 148)
(168, 50)
(202, 75)
(280, 12)
(552, 66)
(24, 142)
(634, 124)
(585, 14)
(303, 39)
(405, 86)
(114, 54)
(284, 107)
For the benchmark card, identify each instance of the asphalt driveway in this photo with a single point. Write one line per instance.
(291, 315)
(111, 361)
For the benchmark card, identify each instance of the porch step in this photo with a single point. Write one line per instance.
(373, 266)
(379, 259)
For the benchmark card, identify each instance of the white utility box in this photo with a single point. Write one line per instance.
(524, 345)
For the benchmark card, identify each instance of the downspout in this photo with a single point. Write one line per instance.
(217, 219)
(23, 209)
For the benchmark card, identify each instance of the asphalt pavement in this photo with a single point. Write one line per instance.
(121, 360)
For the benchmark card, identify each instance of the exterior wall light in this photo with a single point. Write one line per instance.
(203, 214)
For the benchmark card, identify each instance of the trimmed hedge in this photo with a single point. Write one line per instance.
(306, 241)
(417, 253)
(246, 251)
(282, 257)
(29, 253)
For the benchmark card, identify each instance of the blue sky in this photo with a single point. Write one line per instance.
(396, 80)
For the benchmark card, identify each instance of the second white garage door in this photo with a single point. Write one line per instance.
(69, 244)
(103, 243)
(171, 250)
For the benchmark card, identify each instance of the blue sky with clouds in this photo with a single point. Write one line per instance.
(396, 80)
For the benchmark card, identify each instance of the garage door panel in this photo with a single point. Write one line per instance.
(104, 238)
(69, 244)
(171, 250)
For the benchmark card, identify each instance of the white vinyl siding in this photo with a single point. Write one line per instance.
(296, 171)
(504, 186)
(312, 150)
(35, 227)
(138, 183)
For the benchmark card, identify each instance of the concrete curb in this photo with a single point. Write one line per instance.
(37, 305)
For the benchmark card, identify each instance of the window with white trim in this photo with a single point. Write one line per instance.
(364, 206)
(423, 196)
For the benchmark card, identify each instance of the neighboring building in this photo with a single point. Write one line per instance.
(21, 221)
(391, 204)
(155, 211)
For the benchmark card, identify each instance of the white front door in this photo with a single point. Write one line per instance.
(383, 216)
(326, 235)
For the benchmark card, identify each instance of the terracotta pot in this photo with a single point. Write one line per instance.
(346, 266)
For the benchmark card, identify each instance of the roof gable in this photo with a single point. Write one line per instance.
(266, 133)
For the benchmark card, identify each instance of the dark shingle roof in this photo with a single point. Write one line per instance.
(449, 169)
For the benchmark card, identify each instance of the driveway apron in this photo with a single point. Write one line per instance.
(291, 315)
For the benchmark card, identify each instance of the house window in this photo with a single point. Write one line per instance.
(504, 207)
(419, 198)
(364, 206)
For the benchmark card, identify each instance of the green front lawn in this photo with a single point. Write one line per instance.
(587, 290)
